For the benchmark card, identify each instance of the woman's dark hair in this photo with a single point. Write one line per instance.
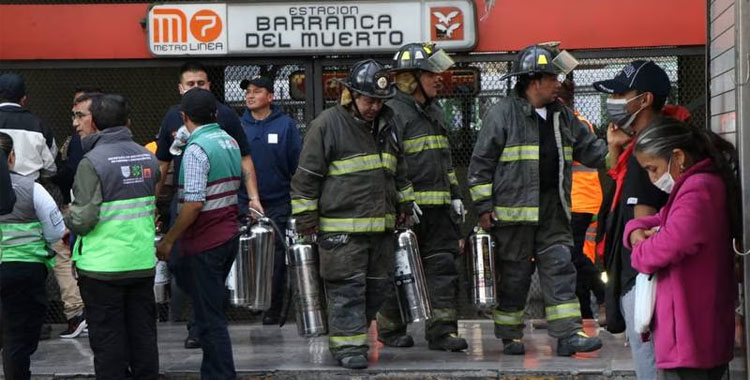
(661, 139)
(6, 143)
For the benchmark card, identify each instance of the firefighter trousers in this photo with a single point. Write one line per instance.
(357, 270)
(521, 248)
(437, 236)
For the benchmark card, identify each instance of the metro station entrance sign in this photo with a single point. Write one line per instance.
(308, 27)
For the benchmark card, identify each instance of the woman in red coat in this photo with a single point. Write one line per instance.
(688, 246)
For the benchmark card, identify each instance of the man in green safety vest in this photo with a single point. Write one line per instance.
(349, 185)
(26, 235)
(207, 227)
(112, 216)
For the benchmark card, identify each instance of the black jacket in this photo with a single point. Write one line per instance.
(7, 195)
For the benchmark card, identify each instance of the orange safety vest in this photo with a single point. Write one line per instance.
(586, 196)
(151, 147)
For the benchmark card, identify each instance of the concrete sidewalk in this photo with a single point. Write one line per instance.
(268, 352)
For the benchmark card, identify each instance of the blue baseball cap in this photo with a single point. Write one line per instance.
(640, 75)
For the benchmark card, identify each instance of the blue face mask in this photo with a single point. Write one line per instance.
(617, 112)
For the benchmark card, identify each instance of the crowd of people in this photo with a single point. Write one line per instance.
(378, 160)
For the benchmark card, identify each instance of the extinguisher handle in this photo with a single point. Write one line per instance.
(257, 213)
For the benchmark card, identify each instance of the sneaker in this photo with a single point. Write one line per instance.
(192, 343)
(270, 319)
(354, 362)
(397, 341)
(76, 326)
(578, 342)
(513, 347)
(450, 342)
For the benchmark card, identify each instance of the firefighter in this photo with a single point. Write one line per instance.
(520, 182)
(422, 129)
(350, 182)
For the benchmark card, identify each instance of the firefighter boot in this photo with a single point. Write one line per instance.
(354, 362)
(450, 342)
(397, 341)
(513, 347)
(578, 342)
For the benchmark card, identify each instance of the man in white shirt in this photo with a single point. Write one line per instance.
(34, 143)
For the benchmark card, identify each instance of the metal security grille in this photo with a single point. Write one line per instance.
(305, 86)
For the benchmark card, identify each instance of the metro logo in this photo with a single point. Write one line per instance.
(169, 25)
(188, 29)
(446, 24)
(205, 25)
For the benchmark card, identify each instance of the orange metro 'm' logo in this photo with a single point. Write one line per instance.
(170, 26)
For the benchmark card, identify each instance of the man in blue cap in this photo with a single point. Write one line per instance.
(637, 95)
(275, 146)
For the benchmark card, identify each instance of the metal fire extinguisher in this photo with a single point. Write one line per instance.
(249, 279)
(309, 297)
(481, 267)
(411, 286)
(161, 276)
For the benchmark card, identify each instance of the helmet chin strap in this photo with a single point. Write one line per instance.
(418, 77)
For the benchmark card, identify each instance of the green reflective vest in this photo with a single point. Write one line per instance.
(21, 231)
(123, 239)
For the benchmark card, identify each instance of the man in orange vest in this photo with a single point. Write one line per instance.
(586, 197)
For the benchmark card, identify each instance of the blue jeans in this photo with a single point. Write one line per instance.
(203, 277)
(643, 352)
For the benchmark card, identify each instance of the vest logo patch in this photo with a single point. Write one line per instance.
(134, 174)
(135, 171)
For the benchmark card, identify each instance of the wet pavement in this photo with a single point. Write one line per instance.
(269, 352)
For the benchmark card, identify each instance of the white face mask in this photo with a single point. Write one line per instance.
(665, 183)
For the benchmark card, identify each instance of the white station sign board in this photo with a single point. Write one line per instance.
(308, 28)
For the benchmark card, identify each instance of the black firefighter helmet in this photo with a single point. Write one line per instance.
(371, 79)
(542, 59)
(421, 56)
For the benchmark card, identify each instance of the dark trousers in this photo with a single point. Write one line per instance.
(121, 315)
(716, 373)
(280, 214)
(203, 276)
(24, 306)
(549, 246)
(358, 274)
(437, 236)
(178, 300)
(587, 278)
